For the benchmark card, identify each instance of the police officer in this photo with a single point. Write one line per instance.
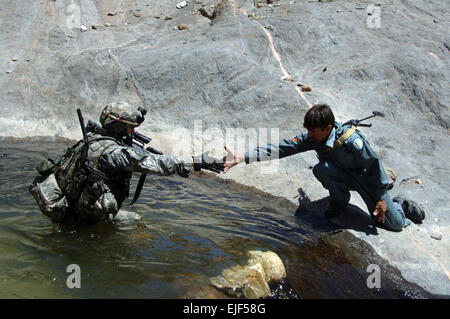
(346, 162)
(110, 161)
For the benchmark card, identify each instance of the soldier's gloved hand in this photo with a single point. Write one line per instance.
(206, 162)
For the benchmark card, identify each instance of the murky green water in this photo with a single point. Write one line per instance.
(180, 233)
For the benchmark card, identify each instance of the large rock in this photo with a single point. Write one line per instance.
(272, 264)
(252, 280)
(255, 286)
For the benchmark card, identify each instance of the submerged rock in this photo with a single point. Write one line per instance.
(255, 286)
(252, 280)
(273, 265)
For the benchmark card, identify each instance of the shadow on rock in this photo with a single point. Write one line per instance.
(312, 214)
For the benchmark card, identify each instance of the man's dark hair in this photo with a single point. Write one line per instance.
(320, 115)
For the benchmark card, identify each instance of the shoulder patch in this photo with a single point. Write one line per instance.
(358, 143)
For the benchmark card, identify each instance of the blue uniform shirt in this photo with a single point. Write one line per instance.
(355, 156)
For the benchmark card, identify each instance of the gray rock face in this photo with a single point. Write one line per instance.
(230, 71)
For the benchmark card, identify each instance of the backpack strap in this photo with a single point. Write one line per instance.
(72, 149)
(94, 169)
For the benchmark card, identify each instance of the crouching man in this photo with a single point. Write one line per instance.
(346, 162)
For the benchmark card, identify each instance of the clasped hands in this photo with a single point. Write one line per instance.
(207, 162)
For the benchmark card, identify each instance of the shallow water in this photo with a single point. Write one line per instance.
(180, 233)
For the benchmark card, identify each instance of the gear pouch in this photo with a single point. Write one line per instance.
(46, 167)
(50, 198)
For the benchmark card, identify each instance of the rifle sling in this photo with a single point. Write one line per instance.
(340, 141)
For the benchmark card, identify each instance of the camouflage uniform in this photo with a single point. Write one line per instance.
(111, 165)
(108, 166)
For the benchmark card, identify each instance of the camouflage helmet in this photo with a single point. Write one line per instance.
(120, 116)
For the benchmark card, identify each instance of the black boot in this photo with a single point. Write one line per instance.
(335, 208)
(411, 209)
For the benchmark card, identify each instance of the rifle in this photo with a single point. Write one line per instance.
(358, 122)
(144, 140)
(136, 139)
(86, 142)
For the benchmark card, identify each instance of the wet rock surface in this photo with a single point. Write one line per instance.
(349, 262)
(271, 263)
(229, 70)
(251, 281)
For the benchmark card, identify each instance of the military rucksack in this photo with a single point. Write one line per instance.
(72, 170)
(45, 188)
(70, 173)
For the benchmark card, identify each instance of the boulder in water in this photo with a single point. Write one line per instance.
(252, 280)
(273, 265)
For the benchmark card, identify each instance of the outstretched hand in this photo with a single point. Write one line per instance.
(205, 161)
(232, 159)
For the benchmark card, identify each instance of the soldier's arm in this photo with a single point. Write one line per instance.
(366, 158)
(140, 160)
(298, 144)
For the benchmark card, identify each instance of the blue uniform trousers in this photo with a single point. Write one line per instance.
(340, 181)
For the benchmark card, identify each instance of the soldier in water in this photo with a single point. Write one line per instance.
(81, 189)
